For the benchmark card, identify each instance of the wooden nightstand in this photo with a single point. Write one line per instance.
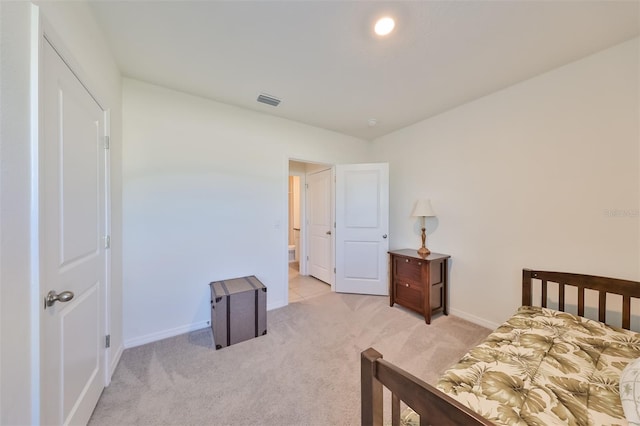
(419, 283)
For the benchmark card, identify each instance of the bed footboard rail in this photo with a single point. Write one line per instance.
(433, 406)
(602, 285)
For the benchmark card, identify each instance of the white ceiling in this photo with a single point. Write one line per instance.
(329, 68)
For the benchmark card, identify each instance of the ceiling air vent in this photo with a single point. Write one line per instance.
(269, 100)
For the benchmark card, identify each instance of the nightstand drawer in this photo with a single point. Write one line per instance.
(409, 294)
(408, 269)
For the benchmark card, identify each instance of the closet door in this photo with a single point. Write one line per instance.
(72, 246)
(362, 227)
(320, 225)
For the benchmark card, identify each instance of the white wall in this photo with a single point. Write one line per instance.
(83, 43)
(15, 295)
(526, 177)
(206, 198)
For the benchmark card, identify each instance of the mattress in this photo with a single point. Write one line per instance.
(545, 367)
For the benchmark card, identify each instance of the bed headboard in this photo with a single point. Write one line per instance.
(625, 288)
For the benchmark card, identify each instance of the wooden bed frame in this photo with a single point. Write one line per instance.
(437, 408)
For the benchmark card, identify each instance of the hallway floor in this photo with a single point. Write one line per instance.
(304, 287)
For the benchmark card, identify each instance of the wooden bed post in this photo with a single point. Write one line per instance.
(526, 288)
(370, 389)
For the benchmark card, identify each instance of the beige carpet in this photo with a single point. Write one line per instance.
(305, 371)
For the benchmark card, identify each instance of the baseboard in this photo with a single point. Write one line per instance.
(164, 334)
(275, 305)
(474, 319)
(115, 360)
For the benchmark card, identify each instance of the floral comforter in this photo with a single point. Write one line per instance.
(544, 367)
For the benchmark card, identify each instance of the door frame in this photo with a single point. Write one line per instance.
(303, 226)
(43, 32)
(304, 269)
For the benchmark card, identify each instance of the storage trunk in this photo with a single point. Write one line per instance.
(238, 310)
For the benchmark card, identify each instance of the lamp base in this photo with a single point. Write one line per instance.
(423, 251)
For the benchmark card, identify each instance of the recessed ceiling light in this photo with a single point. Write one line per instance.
(384, 26)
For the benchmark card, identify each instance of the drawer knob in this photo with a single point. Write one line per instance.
(419, 263)
(406, 260)
(406, 285)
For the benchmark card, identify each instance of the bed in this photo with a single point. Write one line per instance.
(542, 366)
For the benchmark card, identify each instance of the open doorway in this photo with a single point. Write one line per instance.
(310, 248)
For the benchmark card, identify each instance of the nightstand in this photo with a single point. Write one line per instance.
(419, 283)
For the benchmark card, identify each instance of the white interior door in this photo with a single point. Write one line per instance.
(72, 249)
(362, 227)
(320, 225)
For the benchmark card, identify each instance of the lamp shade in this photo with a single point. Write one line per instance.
(423, 208)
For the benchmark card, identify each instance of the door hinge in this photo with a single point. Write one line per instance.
(106, 142)
(107, 241)
(107, 341)
(307, 257)
(334, 270)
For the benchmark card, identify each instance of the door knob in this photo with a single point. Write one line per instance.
(328, 232)
(384, 236)
(53, 297)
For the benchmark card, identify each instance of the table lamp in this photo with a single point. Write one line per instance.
(423, 209)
